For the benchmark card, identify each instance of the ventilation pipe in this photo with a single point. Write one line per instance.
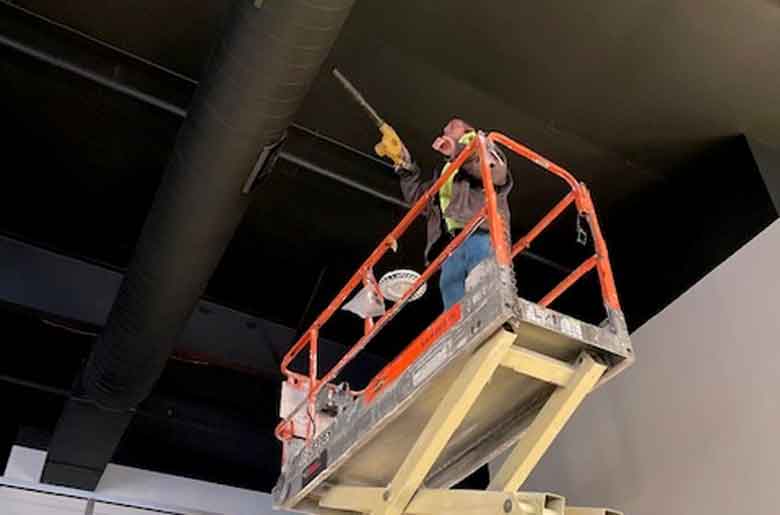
(261, 70)
(257, 77)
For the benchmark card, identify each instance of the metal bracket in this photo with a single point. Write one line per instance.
(546, 426)
(363, 499)
(582, 234)
(265, 163)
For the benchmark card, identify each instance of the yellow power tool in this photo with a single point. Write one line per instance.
(390, 146)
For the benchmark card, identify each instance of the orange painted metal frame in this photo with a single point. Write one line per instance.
(570, 279)
(578, 195)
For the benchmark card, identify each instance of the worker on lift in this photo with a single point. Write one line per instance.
(457, 202)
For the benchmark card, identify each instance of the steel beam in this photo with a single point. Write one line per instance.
(445, 420)
(360, 499)
(546, 426)
(61, 288)
(536, 365)
(469, 502)
(452, 502)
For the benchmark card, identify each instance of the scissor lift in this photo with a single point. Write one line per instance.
(494, 374)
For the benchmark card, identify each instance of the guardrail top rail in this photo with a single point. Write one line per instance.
(578, 195)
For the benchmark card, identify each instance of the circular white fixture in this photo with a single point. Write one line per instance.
(394, 284)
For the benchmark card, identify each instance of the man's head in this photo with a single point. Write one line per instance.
(456, 128)
(451, 134)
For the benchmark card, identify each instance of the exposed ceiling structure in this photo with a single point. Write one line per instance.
(658, 106)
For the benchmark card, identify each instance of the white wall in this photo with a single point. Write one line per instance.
(18, 501)
(121, 491)
(24, 502)
(694, 427)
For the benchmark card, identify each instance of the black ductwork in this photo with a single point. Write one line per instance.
(260, 71)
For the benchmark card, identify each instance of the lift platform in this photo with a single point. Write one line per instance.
(494, 375)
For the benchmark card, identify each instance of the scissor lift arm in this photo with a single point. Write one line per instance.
(405, 494)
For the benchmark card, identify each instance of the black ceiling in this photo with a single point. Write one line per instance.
(648, 102)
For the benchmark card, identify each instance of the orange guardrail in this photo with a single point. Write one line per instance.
(504, 254)
(581, 198)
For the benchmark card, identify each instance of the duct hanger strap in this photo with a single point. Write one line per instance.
(265, 163)
(582, 235)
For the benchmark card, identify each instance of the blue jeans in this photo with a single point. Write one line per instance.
(452, 282)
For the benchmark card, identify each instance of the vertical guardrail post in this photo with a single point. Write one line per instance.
(496, 225)
(603, 266)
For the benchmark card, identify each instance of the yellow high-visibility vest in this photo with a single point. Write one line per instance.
(445, 193)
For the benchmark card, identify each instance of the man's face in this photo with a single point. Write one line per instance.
(451, 134)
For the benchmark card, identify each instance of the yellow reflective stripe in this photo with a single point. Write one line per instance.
(445, 193)
(467, 138)
(445, 196)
